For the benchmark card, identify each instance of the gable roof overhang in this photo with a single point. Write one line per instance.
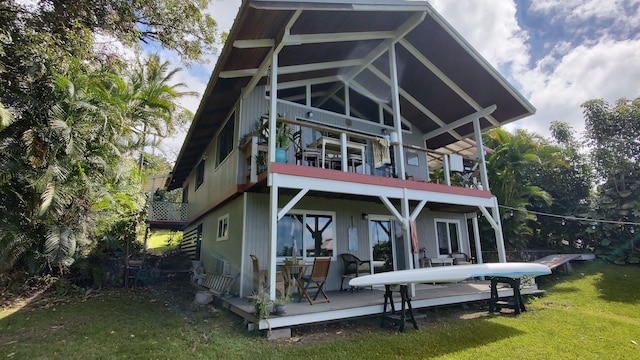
(327, 43)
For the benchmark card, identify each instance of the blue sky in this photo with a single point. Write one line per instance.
(557, 53)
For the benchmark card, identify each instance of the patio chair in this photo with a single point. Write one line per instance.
(316, 280)
(354, 267)
(303, 152)
(261, 277)
(460, 258)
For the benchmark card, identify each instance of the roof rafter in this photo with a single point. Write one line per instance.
(413, 101)
(383, 47)
(268, 59)
(292, 69)
(441, 75)
(462, 121)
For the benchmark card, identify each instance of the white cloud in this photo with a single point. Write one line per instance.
(605, 70)
(564, 77)
(492, 29)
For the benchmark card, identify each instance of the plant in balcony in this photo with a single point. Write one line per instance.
(282, 138)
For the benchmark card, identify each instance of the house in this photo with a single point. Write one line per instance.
(369, 90)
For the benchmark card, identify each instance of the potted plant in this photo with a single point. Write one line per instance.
(280, 304)
(263, 304)
(283, 138)
(261, 163)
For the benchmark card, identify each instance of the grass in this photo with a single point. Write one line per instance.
(592, 314)
(163, 240)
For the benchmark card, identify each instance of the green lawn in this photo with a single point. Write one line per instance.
(592, 314)
(163, 240)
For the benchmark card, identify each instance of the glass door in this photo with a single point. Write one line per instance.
(448, 233)
(386, 240)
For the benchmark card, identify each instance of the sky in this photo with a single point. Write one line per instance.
(557, 53)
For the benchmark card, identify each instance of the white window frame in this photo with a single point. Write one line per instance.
(222, 232)
(304, 213)
(447, 222)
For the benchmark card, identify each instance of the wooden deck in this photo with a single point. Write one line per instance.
(367, 302)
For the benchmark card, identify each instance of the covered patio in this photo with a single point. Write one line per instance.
(367, 302)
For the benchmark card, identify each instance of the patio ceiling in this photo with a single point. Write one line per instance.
(441, 79)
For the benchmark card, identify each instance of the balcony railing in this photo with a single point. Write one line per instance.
(338, 149)
(170, 212)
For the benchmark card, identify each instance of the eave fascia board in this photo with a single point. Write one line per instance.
(356, 5)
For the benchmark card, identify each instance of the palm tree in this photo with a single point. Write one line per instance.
(512, 167)
(152, 102)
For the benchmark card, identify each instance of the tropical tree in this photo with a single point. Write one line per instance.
(73, 105)
(613, 133)
(568, 178)
(511, 167)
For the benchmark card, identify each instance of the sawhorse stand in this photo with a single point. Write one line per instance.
(406, 303)
(517, 304)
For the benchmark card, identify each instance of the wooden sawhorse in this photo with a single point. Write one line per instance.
(517, 304)
(406, 303)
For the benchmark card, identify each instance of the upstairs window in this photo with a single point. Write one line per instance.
(225, 140)
(200, 174)
(185, 194)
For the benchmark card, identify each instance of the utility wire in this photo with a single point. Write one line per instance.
(571, 217)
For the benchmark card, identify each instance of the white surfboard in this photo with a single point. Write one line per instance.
(454, 273)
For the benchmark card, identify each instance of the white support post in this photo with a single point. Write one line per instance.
(273, 236)
(502, 253)
(273, 198)
(445, 168)
(343, 152)
(476, 236)
(410, 259)
(347, 99)
(273, 108)
(483, 165)
(397, 119)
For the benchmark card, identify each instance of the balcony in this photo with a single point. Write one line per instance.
(168, 215)
(328, 148)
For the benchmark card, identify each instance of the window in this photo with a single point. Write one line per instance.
(225, 140)
(412, 158)
(198, 242)
(200, 174)
(185, 194)
(223, 228)
(448, 234)
(311, 233)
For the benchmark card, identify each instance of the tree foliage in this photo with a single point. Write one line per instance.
(71, 117)
(613, 132)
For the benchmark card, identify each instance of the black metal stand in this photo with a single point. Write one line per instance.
(517, 304)
(406, 303)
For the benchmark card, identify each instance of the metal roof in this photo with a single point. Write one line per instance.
(441, 77)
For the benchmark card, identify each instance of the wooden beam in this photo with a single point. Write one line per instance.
(445, 79)
(337, 37)
(292, 69)
(253, 44)
(379, 50)
(462, 121)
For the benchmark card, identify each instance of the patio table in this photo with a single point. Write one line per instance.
(332, 144)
